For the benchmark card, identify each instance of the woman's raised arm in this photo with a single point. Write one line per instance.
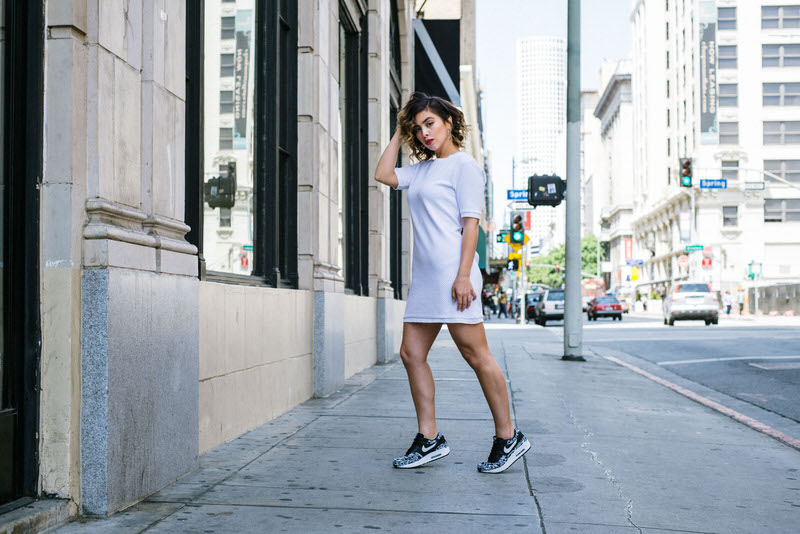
(384, 172)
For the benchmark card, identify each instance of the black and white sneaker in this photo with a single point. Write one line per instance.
(423, 451)
(505, 452)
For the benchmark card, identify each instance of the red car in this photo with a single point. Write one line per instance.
(605, 306)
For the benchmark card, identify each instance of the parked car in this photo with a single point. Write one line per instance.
(606, 306)
(689, 300)
(550, 307)
(530, 305)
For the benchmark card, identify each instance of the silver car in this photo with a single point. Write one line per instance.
(691, 301)
(550, 307)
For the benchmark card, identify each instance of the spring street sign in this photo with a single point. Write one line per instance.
(516, 194)
(713, 184)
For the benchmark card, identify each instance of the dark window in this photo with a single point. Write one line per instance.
(249, 173)
(225, 138)
(728, 95)
(726, 57)
(607, 300)
(782, 210)
(775, 17)
(555, 295)
(728, 133)
(226, 101)
(780, 55)
(354, 174)
(788, 169)
(730, 170)
(781, 132)
(227, 27)
(225, 65)
(726, 18)
(781, 94)
(730, 216)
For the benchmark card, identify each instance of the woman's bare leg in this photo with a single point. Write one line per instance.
(417, 341)
(471, 341)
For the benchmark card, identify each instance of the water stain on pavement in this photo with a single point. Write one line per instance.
(556, 485)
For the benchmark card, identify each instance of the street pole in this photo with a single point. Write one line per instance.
(573, 318)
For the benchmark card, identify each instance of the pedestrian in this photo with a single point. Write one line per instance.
(740, 297)
(486, 304)
(502, 304)
(727, 301)
(445, 196)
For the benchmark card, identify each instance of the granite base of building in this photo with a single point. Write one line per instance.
(139, 385)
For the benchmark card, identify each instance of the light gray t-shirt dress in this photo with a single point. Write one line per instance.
(440, 193)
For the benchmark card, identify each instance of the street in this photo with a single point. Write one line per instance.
(613, 451)
(758, 364)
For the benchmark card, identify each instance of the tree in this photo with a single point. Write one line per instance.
(550, 276)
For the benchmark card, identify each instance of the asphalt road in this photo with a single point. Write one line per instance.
(757, 364)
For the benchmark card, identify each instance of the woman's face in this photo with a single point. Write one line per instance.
(431, 130)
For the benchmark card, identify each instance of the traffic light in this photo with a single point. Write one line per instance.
(686, 172)
(513, 265)
(517, 226)
(220, 191)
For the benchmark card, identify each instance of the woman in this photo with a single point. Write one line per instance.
(445, 195)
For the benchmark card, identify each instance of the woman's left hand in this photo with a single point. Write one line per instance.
(462, 293)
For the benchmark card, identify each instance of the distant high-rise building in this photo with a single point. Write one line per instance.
(541, 123)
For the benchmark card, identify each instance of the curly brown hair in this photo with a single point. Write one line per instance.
(443, 108)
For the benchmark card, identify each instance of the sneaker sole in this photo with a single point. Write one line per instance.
(436, 455)
(516, 455)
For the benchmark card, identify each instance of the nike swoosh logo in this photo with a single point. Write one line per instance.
(510, 447)
(427, 449)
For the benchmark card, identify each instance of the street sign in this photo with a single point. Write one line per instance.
(683, 260)
(634, 262)
(690, 248)
(753, 186)
(713, 184)
(248, 248)
(517, 194)
(754, 269)
(501, 237)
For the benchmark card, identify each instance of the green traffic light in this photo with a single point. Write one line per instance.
(516, 237)
(686, 181)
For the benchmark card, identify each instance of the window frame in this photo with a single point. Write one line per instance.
(780, 19)
(274, 137)
(734, 58)
(780, 167)
(731, 100)
(355, 182)
(730, 220)
(778, 214)
(729, 137)
(723, 24)
(782, 132)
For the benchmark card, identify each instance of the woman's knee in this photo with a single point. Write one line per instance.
(411, 356)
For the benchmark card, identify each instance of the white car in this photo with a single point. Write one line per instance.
(691, 300)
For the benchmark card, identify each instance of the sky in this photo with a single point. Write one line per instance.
(605, 34)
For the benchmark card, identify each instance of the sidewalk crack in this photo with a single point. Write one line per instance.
(524, 458)
(607, 473)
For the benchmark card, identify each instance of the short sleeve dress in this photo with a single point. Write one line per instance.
(440, 193)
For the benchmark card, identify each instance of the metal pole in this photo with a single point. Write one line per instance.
(573, 318)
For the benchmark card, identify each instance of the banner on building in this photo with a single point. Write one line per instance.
(709, 128)
(244, 25)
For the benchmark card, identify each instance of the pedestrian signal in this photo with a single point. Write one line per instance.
(547, 190)
(513, 265)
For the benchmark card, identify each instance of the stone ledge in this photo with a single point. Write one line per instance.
(37, 516)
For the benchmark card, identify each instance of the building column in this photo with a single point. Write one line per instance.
(139, 285)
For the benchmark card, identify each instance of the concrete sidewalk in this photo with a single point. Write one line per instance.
(612, 452)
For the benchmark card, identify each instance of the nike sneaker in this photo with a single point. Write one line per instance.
(423, 451)
(505, 452)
